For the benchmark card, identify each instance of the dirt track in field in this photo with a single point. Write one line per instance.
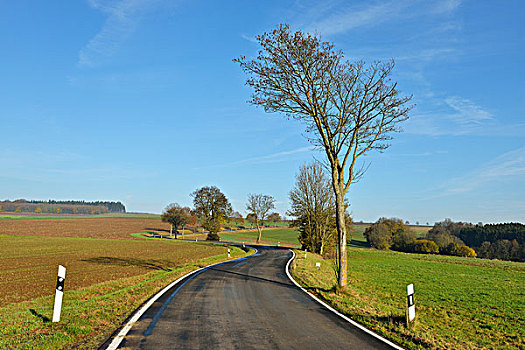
(114, 228)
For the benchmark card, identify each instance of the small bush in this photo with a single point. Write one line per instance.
(424, 246)
(459, 250)
(463, 250)
(213, 236)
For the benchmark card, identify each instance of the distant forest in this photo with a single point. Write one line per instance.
(490, 241)
(496, 241)
(62, 207)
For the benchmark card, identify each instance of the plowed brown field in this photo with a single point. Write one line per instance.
(28, 264)
(115, 228)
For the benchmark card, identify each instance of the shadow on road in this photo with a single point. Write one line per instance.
(248, 277)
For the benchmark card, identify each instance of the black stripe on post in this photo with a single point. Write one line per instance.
(410, 299)
(60, 283)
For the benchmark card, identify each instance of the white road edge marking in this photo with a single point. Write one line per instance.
(346, 318)
(124, 331)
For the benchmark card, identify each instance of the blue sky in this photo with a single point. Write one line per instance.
(139, 101)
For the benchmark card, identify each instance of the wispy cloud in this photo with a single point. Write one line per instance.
(353, 18)
(270, 158)
(500, 169)
(428, 54)
(446, 6)
(278, 155)
(56, 167)
(345, 18)
(249, 38)
(148, 78)
(467, 112)
(123, 17)
(452, 116)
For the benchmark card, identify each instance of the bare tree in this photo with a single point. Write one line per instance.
(259, 205)
(313, 206)
(349, 108)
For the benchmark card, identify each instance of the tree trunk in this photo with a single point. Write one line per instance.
(341, 231)
(171, 230)
(259, 229)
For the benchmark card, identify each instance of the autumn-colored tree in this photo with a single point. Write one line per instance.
(250, 217)
(177, 216)
(0, 207)
(58, 210)
(349, 108)
(38, 210)
(212, 208)
(274, 217)
(381, 234)
(18, 210)
(259, 205)
(394, 225)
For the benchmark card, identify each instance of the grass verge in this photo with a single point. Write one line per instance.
(461, 303)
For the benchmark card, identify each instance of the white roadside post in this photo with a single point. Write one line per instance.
(318, 265)
(305, 253)
(59, 293)
(243, 245)
(278, 244)
(228, 252)
(411, 313)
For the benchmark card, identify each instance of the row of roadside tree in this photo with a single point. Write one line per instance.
(211, 209)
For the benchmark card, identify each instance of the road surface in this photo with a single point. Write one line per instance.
(247, 304)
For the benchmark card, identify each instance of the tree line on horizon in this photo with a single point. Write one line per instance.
(62, 207)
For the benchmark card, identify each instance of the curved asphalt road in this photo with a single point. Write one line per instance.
(247, 304)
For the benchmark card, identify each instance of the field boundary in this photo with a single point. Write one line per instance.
(344, 317)
(137, 314)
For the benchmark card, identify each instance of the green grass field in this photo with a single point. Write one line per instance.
(461, 303)
(287, 236)
(106, 280)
